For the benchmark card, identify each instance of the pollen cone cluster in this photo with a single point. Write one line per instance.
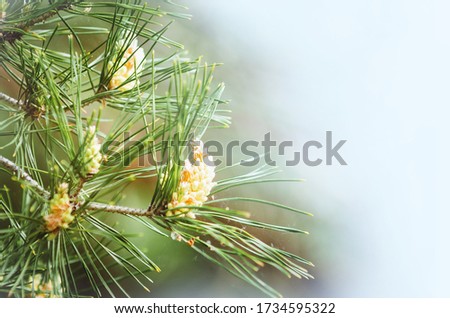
(195, 184)
(60, 215)
(92, 155)
(130, 63)
(42, 289)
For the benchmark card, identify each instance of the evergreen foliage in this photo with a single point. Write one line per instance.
(99, 86)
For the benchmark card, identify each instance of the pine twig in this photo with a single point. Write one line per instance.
(92, 206)
(10, 100)
(21, 174)
(11, 36)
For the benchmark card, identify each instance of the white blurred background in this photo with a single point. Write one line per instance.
(376, 73)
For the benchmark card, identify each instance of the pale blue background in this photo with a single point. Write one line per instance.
(376, 73)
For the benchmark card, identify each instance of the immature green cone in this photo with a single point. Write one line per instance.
(92, 155)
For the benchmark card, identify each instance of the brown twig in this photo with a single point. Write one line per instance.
(11, 36)
(92, 206)
(10, 100)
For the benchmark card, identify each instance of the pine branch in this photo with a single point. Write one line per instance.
(10, 100)
(163, 101)
(118, 209)
(44, 16)
(11, 36)
(92, 206)
(21, 174)
(101, 96)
